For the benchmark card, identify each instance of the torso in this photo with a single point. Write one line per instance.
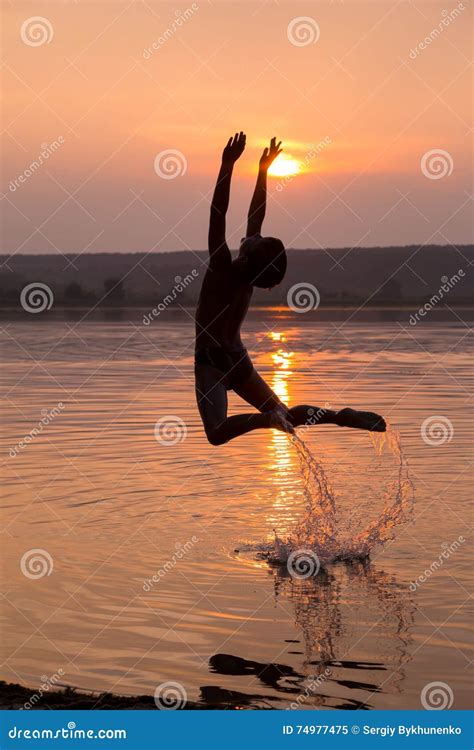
(222, 306)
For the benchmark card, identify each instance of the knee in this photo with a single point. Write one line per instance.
(214, 436)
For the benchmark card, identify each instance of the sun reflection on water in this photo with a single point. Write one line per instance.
(283, 462)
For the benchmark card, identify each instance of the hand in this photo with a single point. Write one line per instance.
(270, 154)
(234, 149)
(279, 420)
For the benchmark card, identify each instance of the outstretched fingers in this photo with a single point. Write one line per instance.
(234, 147)
(275, 147)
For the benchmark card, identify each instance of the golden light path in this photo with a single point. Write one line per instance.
(282, 458)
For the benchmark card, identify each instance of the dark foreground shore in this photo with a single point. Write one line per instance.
(14, 696)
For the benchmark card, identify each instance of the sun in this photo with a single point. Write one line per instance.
(284, 166)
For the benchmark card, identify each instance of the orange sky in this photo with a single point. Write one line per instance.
(359, 107)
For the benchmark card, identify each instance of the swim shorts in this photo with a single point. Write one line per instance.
(234, 363)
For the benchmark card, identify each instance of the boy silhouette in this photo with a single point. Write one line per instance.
(221, 360)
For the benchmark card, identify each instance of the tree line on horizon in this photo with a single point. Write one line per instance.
(384, 276)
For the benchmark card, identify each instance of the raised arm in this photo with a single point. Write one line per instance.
(258, 203)
(218, 250)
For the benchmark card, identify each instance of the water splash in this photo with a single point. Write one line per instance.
(324, 530)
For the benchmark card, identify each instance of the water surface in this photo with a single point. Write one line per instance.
(114, 507)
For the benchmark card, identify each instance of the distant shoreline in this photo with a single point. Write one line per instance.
(406, 306)
(398, 277)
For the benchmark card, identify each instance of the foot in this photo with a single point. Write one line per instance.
(278, 419)
(362, 420)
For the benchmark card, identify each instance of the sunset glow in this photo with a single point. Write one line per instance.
(157, 95)
(284, 166)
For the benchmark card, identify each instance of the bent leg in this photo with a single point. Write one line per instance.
(258, 393)
(211, 396)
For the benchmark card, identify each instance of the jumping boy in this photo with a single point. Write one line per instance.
(221, 360)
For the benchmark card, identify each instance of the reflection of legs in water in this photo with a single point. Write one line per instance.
(323, 615)
(211, 394)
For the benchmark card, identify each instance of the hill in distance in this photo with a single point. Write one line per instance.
(344, 276)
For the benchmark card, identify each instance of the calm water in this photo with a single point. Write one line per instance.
(112, 507)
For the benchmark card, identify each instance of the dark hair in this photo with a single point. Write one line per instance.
(267, 263)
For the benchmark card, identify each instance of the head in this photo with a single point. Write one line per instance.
(263, 261)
